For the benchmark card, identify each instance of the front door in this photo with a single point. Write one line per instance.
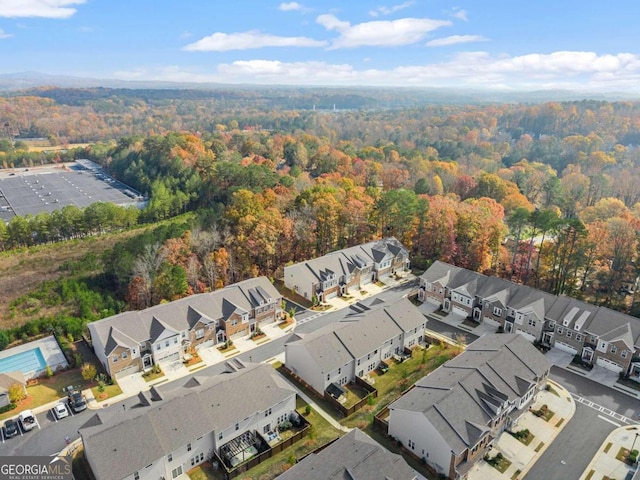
(546, 338)
(147, 361)
(587, 354)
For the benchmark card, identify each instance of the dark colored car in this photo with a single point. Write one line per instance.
(76, 400)
(10, 428)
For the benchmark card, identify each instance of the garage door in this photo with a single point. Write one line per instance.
(460, 311)
(609, 365)
(169, 358)
(565, 348)
(327, 296)
(127, 371)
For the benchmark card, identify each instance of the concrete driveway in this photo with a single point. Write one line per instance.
(132, 384)
(523, 457)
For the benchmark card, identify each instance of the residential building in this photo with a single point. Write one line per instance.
(598, 335)
(452, 416)
(355, 346)
(352, 268)
(175, 428)
(135, 341)
(354, 456)
(7, 380)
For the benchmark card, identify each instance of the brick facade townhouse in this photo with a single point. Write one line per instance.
(599, 335)
(336, 273)
(452, 416)
(135, 341)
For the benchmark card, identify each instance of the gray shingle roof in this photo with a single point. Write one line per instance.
(440, 272)
(184, 413)
(355, 456)
(337, 344)
(457, 397)
(129, 329)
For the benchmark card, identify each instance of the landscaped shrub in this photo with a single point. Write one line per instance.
(88, 371)
(49, 372)
(8, 408)
(307, 409)
(16, 393)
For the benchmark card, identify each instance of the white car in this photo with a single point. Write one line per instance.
(60, 410)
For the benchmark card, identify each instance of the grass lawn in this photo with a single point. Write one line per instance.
(501, 465)
(321, 433)
(520, 436)
(400, 376)
(150, 375)
(354, 394)
(48, 390)
(109, 391)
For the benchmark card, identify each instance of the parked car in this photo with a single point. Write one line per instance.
(10, 428)
(60, 410)
(77, 402)
(27, 420)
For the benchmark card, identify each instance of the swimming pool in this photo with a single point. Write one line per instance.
(28, 362)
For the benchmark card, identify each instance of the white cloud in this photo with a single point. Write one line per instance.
(404, 31)
(289, 6)
(569, 70)
(461, 15)
(455, 40)
(38, 8)
(221, 42)
(389, 10)
(4, 34)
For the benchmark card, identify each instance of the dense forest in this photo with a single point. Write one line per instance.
(543, 194)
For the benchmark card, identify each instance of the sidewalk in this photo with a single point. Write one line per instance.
(608, 461)
(521, 456)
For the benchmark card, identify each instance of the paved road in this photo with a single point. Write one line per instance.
(604, 410)
(572, 450)
(50, 438)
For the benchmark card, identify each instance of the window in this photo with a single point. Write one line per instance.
(234, 322)
(623, 354)
(560, 330)
(175, 340)
(115, 358)
(158, 347)
(266, 428)
(328, 377)
(532, 322)
(267, 412)
(569, 333)
(199, 333)
(614, 349)
(497, 311)
(578, 337)
(220, 436)
(339, 371)
(166, 343)
(176, 472)
(188, 447)
(170, 457)
(593, 339)
(237, 426)
(124, 355)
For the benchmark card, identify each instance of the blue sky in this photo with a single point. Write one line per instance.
(495, 44)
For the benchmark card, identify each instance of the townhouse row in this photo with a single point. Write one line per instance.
(452, 416)
(600, 336)
(350, 269)
(135, 341)
(370, 334)
(222, 418)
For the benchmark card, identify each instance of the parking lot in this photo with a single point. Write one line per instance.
(45, 189)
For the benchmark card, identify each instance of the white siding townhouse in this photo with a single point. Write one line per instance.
(451, 416)
(134, 341)
(352, 268)
(356, 345)
(175, 428)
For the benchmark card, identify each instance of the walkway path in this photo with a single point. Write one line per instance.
(522, 457)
